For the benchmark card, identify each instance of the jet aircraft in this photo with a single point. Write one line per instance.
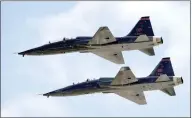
(104, 44)
(127, 85)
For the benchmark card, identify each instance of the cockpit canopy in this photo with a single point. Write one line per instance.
(64, 38)
(83, 37)
(59, 40)
(106, 79)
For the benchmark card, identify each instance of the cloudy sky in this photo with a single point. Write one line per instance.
(29, 24)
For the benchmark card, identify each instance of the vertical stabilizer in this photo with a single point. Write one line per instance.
(163, 67)
(143, 26)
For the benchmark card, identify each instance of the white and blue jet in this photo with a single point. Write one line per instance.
(126, 84)
(104, 44)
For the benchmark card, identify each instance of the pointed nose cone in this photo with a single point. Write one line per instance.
(21, 53)
(46, 95)
(33, 51)
(27, 52)
(53, 93)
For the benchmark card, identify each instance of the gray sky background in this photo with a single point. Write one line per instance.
(29, 24)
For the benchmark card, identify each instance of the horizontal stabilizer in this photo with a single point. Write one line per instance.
(142, 38)
(148, 51)
(170, 91)
(162, 78)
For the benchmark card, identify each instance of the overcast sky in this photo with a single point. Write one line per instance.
(29, 24)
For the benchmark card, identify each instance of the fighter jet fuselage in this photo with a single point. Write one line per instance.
(104, 85)
(81, 44)
(126, 85)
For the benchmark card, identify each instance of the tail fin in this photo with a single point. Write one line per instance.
(143, 26)
(164, 67)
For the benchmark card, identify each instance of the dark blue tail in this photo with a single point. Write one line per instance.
(143, 26)
(164, 67)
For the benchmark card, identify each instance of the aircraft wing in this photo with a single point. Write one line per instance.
(134, 96)
(124, 76)
(115, 57)
(102, 36)
(148, 51)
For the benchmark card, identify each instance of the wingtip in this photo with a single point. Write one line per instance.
(121, 63)
(125, 68)
(153, 54)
